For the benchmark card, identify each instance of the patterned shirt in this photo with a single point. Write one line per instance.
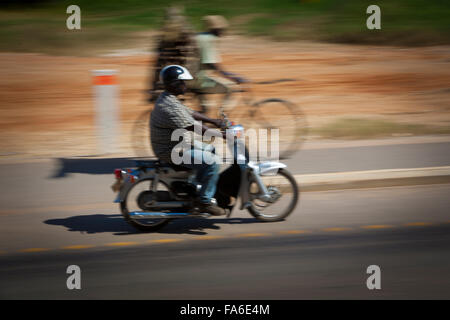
(168, 115)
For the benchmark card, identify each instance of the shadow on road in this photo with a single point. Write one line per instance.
(200, 226)
(94, 223)
(114, 223)
(66, 166)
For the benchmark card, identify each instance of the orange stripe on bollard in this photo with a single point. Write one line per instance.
(105, 80)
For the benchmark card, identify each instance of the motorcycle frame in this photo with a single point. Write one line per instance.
(167, 175)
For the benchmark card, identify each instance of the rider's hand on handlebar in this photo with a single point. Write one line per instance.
(220, 123)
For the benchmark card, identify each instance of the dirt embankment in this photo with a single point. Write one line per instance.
(47, 102)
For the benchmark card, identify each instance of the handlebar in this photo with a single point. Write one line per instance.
(227, 123)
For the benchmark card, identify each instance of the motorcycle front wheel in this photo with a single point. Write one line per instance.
(284, 197)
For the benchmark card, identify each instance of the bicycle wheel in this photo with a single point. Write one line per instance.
(285, 116)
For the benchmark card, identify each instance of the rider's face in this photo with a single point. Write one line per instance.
(178, 87)
(182, 87)
(217, 32)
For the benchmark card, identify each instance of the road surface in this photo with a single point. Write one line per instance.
(81, 181)
(52, 217)
(321, 251)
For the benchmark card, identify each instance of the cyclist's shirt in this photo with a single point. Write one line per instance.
(168, 115)
(207, 44)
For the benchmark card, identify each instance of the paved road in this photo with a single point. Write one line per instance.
(413, 262)
(85, 181)
(371, 158)
(60, 212)
(321, 251)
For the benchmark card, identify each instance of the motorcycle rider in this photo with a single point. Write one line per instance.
(170, 114)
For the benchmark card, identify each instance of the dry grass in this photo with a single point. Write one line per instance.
(371, 128)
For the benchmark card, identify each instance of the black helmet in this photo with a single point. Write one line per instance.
(174, 72)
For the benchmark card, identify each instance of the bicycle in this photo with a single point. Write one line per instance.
(271, 113)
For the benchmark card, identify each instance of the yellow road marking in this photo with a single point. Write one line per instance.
(165, 240)
(121, 244)
(377, 226)
(208, 237)
(211, 237)
(336, 229)
(249, 235)
(77, 247)
(414, 224)
(294, 231)
(34, 250)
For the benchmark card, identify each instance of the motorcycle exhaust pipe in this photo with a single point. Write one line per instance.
(167, 204)
(163, 215)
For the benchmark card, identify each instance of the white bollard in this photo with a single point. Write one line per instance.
(106, 110)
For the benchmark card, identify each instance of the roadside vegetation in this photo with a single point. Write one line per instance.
(40, 26)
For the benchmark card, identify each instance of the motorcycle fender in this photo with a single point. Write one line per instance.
(123, 191)
(128, 183)
(118, 198)
(267, 168)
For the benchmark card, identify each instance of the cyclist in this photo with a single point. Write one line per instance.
(176, 46)
(207, 81)
(170, 114)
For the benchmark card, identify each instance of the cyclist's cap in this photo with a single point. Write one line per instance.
(215, 22)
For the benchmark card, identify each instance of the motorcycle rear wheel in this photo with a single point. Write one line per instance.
(148, 225)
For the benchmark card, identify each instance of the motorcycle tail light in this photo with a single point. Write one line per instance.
(118, 173)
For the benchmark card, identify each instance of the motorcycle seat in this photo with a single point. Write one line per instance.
(175, 167)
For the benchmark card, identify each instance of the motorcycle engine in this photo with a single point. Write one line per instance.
(145, 198)
(184, 189)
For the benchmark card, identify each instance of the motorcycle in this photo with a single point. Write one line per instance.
(153, 193)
